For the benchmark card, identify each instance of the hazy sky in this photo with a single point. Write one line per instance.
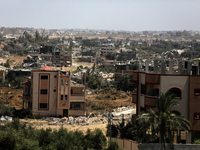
(133, 15)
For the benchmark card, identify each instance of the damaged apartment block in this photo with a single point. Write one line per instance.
(51, 93)
(61, 58)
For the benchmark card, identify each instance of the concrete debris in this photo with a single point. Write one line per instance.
(6, 118)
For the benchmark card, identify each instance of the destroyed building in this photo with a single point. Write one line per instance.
(61, 58)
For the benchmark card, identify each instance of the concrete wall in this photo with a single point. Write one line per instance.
(52, 96)
(157, 146)
(194, 103)
(181, 82)
(127, 144)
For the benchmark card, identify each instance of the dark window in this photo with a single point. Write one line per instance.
(77, 106)
(196, 117)
(176, 92)
(55, 76)
(44, 77)
(155, 92)
(197, 92)
(43, 105)
(54, 90)
(61, 97)
(43, 91)
(66, 97)
(142, 89)
(62, 82)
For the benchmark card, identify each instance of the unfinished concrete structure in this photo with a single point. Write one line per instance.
(61, 58)
(51, 93)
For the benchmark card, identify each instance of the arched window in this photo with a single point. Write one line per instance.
(175, 91)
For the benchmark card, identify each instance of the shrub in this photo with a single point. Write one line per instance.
(197, 141)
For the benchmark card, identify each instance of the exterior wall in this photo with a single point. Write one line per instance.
(158, 146)
(181, 82)
(194, 103)
(50, 98)
(76, 113)
(64, 90)
(152, 78)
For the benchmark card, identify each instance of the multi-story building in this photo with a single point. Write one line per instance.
(51, 93)
(184, 82)
(61, 58)
(126, 54)
(107, 49)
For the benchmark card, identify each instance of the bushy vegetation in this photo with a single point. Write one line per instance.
(16, 136)
(6, 110)
(125, 131)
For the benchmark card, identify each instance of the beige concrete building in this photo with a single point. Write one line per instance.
(53, 94)
(184, 82)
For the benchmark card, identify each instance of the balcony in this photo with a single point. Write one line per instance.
(77, 98)
(152, 79)
(150, 101)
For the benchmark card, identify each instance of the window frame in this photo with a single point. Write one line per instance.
(195, 116)
(44, 77)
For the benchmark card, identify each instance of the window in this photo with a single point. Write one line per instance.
(197, 92)
(66, 97)
(176, 92)
(196, 116)
(55, 76)
(43, 91)
(142, 89)
(43, 105)
(155, 92)
(61, 97)
(66, 82)
(77, 106)
(54, 90)
(43, 77)
(62, 82)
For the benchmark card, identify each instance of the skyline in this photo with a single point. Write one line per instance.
(128, 15)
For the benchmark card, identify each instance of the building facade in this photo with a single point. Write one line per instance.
(53, 94)
(61, 58)
(182, 80)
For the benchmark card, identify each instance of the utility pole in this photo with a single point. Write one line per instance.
(109, 127)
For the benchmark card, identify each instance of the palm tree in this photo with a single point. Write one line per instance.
(163, 122)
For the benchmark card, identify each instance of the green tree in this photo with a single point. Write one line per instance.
(163, 122)
(7, 64)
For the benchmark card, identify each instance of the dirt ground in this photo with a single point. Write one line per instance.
(41, 124)
(15, 60)
(11, 97)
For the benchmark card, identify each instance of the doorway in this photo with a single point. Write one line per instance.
(65, 112)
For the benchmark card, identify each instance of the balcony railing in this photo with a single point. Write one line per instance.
(153, 79)
(77, 98)
(150, 101)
